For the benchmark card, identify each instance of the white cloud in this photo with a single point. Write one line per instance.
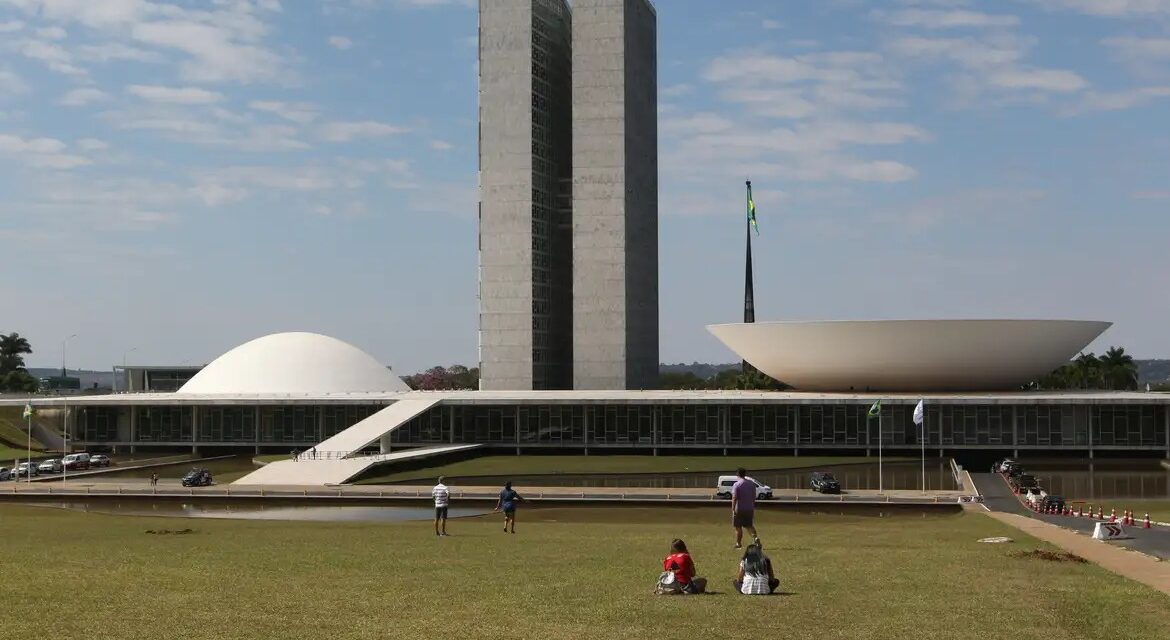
(41, 153)
(11, 26)
(174, 95)
(1119, 100)
(1055, 80)
(1140, 49)
(340, 42)
(1111, 8)
(298, 112)
(92, 144)
(944, 19)
(347, 131)
(83, 96)
(11, 84)
(769, 23)
(676, 90)
(52, 56)
(696, 123)
(108, 51)
(441, 145)
(52, 33)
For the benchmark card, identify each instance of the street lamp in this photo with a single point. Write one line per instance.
(124, 354)
(63, 343)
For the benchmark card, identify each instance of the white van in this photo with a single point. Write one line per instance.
(723, 487)
(76, 461)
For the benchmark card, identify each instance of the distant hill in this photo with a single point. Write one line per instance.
(1153, 371)
(104, 379)
(700, 369)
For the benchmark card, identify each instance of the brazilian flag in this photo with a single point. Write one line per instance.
(29, 412)
(875, 410)
(751, 210)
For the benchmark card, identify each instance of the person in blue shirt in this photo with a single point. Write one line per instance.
(507, 503)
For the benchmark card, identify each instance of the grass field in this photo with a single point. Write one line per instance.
(538, 465)
(568, 573)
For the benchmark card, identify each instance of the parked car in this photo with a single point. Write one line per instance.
(51, 465)
(823, 482)
(1003, 465)
(724, 484)
(6, 474)
(197, 478)
(1053, 502)
(1022, 482)
(27, 469)
(76, 461)
(1034, 495)
(98, 460)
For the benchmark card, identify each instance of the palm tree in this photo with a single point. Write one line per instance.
(12, 350)
(1119, 371)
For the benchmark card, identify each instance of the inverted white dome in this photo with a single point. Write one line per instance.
(294, 363)
(908, 355)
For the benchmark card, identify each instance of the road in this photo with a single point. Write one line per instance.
(998, 496)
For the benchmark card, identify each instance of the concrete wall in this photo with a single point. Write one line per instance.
(523, 267)
(615, 195)
(505, 193)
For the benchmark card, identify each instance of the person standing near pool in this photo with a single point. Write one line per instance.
(442, 496)
(743, 507)
(507, 503)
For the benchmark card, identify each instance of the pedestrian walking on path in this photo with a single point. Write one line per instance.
(743, 507)
(442, 496)
(507, 503)
(154, 479)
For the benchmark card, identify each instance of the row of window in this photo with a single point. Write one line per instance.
(293, 424)
(791, 425)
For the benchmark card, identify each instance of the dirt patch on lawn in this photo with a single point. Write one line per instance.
(1053, 556)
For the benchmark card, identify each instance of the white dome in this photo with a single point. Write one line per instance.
(294, 363)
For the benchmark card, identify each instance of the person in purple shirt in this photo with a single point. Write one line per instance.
(743, 507)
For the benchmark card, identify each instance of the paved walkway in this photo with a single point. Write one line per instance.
(307, 470)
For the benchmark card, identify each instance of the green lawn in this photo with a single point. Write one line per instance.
(541, 465)
(8, 454)
(569, 573)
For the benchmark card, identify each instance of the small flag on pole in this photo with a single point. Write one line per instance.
(875, 410)
(29, 412)
(918, 414)
(751, 210)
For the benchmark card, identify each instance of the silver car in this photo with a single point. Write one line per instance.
(50, 466)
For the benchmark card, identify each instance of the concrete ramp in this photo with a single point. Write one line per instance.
(337, 471)
(371, 430)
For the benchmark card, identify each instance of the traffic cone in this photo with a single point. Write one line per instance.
(1113, 515)
(1081, 511)
(1127, 518)
(1147, 524)
(1100, 513)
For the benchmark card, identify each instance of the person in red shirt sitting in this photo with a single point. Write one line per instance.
(680, 565)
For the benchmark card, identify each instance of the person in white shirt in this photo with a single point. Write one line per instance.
(755, 575)
(442, 497)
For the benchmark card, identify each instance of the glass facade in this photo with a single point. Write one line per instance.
(788, 426)
(645, 425)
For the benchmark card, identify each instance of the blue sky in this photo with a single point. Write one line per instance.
(179, 177)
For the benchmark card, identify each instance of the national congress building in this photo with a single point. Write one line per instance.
(568, 217)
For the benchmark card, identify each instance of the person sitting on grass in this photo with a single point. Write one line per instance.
(678, 572)
(755, 576)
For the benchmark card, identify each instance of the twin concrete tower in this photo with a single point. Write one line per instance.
(568, 211)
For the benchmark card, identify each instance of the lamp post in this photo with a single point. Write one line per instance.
(124, 354)
(63, 343)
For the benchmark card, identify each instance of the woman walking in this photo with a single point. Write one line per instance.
(507, 503)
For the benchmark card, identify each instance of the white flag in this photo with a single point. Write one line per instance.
(918, 414)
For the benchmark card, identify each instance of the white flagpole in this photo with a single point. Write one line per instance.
(879, 447)
(28, 459)
(922, 441)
